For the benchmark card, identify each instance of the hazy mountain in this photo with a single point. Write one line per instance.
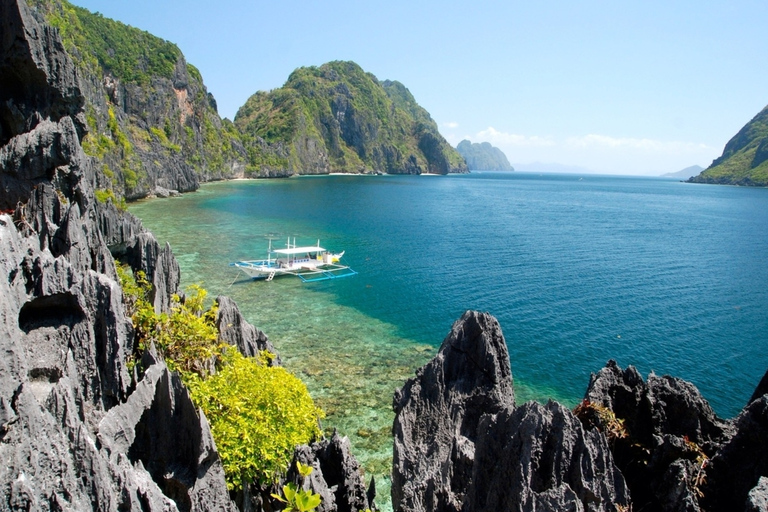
(483, 156)
(686, 173)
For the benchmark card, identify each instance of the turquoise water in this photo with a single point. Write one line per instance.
(666, 276)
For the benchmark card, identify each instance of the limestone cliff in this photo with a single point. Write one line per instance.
(338, 118)
(150, 120)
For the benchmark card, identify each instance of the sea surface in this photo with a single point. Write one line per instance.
(666, 276)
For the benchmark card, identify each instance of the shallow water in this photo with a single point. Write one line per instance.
(666, 276)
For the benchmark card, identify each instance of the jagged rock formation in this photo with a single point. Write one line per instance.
(336, 475)
(338, 118)
(151, 121)
(78, 430)
(737, 474)
(745, 158)
(461, 445)
(234, 330)
(483, 156)
(671, 431)
(65, 333)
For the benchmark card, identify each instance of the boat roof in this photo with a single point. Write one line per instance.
(299, 250)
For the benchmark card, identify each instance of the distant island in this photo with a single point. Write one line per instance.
(745, 158)
(684, 174)
(339, 118)
(483, 156)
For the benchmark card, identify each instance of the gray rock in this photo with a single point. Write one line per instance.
(671, 430)
(336, 477)
(437, 414)
(461, 445)
(159, 426)
(236, 331)
(757, 500)
(741, 462)
(539, 457)
(64, 333)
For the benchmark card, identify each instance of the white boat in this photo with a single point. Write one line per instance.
(309, 263)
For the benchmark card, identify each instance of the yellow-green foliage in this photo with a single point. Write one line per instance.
(187, 338)
(297, 499)
(104, 195)
(164, 141)
(258, 413)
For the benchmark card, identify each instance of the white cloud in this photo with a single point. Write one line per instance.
(595, 141)
(498, 138)
(451, 124)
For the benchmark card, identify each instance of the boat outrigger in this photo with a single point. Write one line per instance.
(309, 263)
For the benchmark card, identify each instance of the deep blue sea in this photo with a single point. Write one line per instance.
(666, 276)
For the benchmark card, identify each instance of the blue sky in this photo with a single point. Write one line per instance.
(613, 87)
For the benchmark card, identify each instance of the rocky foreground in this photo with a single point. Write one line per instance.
(79, 431)
(462, 444)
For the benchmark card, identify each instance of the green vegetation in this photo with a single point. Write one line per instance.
(337, 117)
(162, 136)
(258, 413)
(130, 54)
(745, 158)
(162, 123)
(296, 498)
(483, 157)
(104, 195)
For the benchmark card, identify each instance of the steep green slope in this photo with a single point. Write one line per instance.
(483, 156)
(150, 119)
(745, 158)
(338, 118)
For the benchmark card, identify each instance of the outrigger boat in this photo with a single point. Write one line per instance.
(308, 263)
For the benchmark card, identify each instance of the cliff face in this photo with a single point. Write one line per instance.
(483, 156)
(745, 158)
(338, 118)
(150, 120)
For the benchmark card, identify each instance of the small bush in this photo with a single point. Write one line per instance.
(258, 415)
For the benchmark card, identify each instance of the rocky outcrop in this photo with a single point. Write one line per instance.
(78, 430)
(737, 473)
(671, 431)
(461, 445)
(335, 476)
(438, 411)
(236, 331)
(151, 121)
(539, 457)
